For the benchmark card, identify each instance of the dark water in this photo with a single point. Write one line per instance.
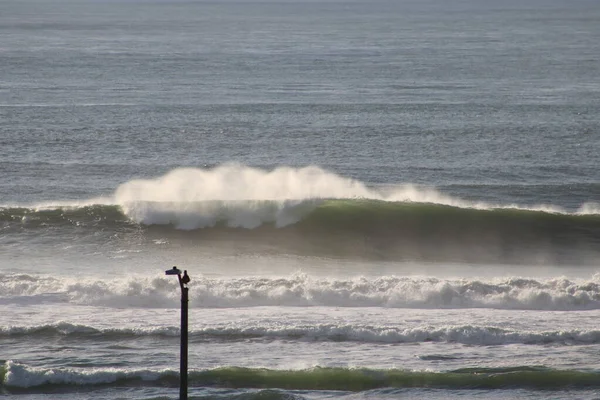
(347, 229)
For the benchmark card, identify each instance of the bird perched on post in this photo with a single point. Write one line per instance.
(185, 278)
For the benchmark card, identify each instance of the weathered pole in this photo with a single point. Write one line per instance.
(183, 367)
(183, 356)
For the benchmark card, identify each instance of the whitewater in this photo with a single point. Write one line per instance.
(373, 199)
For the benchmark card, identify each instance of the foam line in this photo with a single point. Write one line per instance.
(465, 334)
(304, 290)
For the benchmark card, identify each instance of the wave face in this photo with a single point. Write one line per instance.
(304, 291)
(344, 228)
(18, 378)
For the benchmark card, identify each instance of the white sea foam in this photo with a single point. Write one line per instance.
(64, 328)
(131, 291)
(21, 375)
(465, 334)
(590, 208)
(304, 290)
(243, 197)
(64, 204)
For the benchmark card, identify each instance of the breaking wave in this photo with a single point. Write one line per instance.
(312, 211)
(20, 378)
(464, 334)
(303, 290)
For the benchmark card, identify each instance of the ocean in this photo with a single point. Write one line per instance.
(374, 199)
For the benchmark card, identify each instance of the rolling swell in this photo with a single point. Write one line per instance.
(90, 217)
(19, 378)
(347, 228)
(434, 232)
(465, 334)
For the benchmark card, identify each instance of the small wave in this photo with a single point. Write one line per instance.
(437, 357)
(19, 375)
(464, 334)
(91, 216)
(17, 378)
(559, 294)
(84, 331)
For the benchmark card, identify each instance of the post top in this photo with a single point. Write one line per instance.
(173, 271)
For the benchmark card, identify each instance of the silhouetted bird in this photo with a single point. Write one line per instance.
(185, 278)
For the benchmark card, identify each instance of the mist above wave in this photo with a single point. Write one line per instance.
(241, 196)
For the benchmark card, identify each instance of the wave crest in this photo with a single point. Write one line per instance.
(464, 334)
(20, 376)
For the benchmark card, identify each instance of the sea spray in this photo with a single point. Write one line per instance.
(233, 182)
(232, 185)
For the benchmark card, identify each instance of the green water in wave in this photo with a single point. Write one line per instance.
(341, 379)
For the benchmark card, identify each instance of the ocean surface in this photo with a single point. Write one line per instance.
(374, 199)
